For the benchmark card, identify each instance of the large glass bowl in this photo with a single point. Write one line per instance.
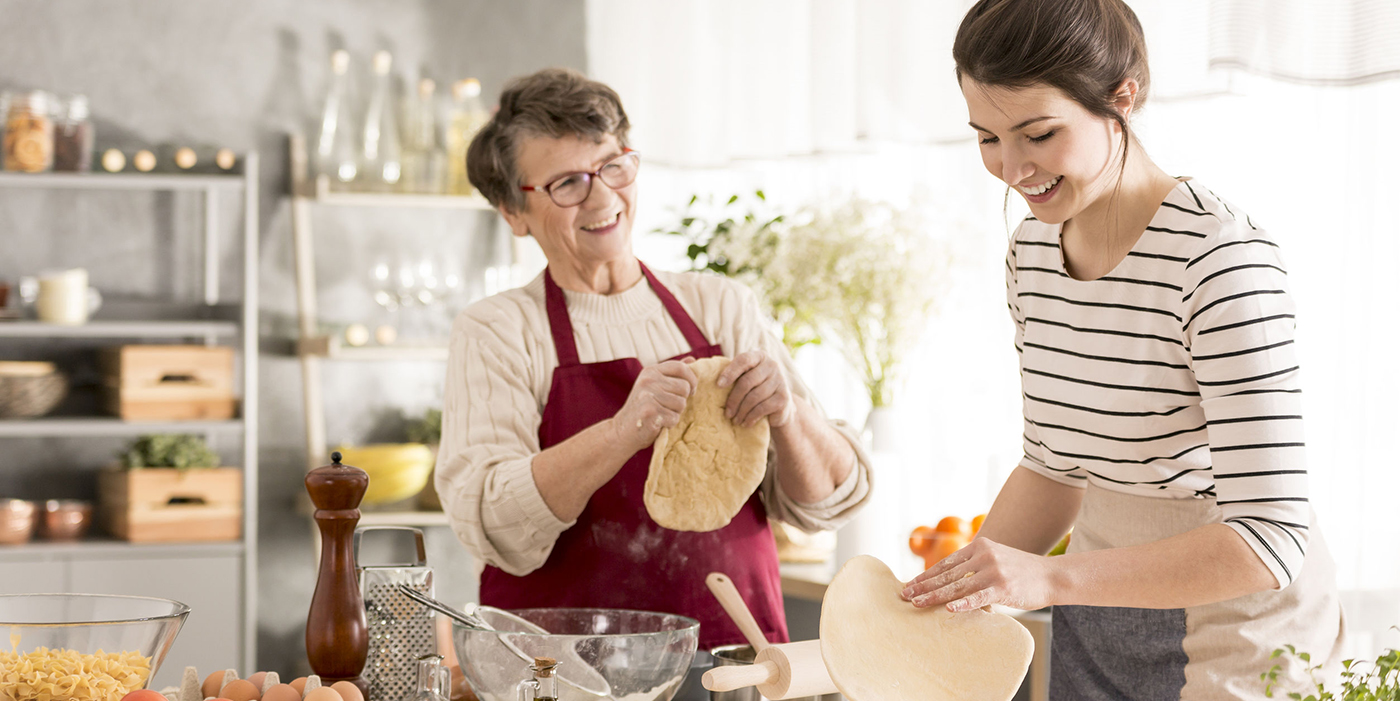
(643, 656)
(84, 624)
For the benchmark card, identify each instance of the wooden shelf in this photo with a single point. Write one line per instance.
(325, 195)
(331, 347)
(120, 181)
(403, 518)
(107, 426)
(119, 329)
(107, 548)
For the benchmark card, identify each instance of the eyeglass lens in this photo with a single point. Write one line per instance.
(574, 188)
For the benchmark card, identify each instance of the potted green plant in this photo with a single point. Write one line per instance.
(1361, 680)
(171, 487)
(427, 430)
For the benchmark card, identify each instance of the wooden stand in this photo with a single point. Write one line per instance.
(337, 637)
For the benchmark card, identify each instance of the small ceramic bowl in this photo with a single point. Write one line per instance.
(66, 519)
(16, 521)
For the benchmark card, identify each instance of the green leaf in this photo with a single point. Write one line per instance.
(693, 200)
(732, 200)
(687, 221)
(759, 194)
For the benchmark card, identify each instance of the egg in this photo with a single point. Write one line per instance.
(348, 691)
(300, 685)
(143, 695)
(282, 692)
(210, 687)
(256, 679)
(241, 690)
(324, 693)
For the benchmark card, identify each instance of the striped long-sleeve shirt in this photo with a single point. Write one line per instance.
(1172, 376)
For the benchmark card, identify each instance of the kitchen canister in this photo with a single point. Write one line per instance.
(400, 630)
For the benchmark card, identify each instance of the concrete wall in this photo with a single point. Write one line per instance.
(243, 74)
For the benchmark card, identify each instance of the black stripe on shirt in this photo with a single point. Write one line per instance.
(1248, 419)
(1253, 446)
(1104, 412)
(1120, 439)
(1182, 232)
(1244, 392)
(1256, 378)
(1045, 244)
(1194, 196)
(1109, 332)
(1227, 244)
(1161, 482)
(1102, 305)
(1179, 208)
(1224, 271)
(1106, 359)
(1158, 256)
(1238, 324)
(1246, 351)
(1286, 531)
(1283, 524)
(1105, 385)
(1028, 268)
(1229, 298)
(1123, 461)
(1134, 281)
(1262, 500)
(1260, 473)
(1268, 547)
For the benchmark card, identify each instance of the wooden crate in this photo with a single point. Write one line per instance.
(168, 383)
(153, 505)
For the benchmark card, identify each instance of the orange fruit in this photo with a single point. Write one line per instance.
(954, 525)
(921, 540)
(944, 544)
(977, 523)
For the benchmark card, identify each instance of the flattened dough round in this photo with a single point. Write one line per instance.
(705, 468)
(878, 647)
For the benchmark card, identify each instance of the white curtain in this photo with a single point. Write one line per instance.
(821, 99)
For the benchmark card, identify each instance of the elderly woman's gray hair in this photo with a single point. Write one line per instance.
(554, 102)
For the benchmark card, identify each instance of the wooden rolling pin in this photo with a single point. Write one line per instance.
(785, 671)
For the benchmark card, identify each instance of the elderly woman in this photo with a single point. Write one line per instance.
(557, 390)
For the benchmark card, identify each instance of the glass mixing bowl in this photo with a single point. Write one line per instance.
(636, 655)
(85, 624)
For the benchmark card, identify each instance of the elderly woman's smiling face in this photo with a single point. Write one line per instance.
(583, 237)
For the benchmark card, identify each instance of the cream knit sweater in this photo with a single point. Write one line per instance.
(500, 367)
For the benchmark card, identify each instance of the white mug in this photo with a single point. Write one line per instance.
(65, 298)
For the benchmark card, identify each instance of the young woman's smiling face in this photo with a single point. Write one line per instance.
(1056, 154)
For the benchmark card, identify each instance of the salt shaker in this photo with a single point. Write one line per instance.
(543, 685)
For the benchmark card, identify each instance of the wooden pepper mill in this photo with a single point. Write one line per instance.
(337, 637)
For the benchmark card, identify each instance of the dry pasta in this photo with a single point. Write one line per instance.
(68, 675)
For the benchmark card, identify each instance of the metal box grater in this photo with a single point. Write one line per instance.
(400, 629)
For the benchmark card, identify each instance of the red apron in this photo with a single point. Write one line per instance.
(615, 556)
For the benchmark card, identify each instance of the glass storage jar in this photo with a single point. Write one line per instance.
(72, 136)
(28, 145)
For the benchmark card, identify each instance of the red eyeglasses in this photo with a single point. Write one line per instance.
(571, 189)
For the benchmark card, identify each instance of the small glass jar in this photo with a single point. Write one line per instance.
(28, 145)
(73, 136)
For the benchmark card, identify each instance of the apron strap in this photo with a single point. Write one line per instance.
(563, 330)
(559, 325)
(692, 333)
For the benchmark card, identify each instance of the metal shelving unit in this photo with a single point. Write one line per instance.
(313, 346)
(209, 321)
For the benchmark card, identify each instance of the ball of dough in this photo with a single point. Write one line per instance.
(704, 469)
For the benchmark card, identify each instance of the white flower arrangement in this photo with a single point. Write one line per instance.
(862, 272)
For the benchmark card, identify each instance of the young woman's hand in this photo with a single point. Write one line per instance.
(760, 389)
(985, 573)
(655, 403)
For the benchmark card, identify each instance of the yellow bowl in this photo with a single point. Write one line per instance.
(396, 471)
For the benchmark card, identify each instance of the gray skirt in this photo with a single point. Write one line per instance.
(1201, 653)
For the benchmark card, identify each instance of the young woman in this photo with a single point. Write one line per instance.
(1160, 387)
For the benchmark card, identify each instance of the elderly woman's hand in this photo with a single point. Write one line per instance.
(760, 389)
(655, 403)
